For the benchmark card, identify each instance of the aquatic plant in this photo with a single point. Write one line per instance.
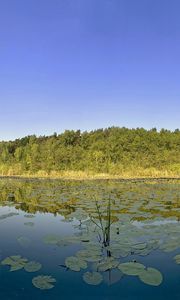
(43, 282)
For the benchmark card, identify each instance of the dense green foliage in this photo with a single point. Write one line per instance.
(117, 151)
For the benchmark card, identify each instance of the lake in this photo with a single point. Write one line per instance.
(103, 239)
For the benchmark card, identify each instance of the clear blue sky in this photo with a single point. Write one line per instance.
(86, 64)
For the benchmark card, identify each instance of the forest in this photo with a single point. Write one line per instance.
(114, 151)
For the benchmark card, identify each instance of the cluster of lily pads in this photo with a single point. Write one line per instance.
(95, 253)
(127, 238)
(141, 200)
(144, 217)
(16, 262)
(102, 264)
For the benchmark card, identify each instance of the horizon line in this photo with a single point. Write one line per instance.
(88, 131)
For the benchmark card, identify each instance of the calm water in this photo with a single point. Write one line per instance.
(50, 221)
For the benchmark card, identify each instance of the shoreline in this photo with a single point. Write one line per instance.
(90, 177)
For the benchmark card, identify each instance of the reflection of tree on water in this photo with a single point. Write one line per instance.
(64, 197)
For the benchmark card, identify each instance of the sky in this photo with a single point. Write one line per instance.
(88, 64)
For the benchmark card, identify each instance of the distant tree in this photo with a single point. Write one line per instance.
(112, 149)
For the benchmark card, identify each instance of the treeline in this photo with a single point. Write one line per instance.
(115, 151)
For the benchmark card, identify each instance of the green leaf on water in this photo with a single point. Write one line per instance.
(15, 262)
(43, 282)
(93, 278)
(32, 266)
(131, 268)
(30, 224)
(51, 239)
(177, 258)
(75, 264)
(151, 276)
(107, 264)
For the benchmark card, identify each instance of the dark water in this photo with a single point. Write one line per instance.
(49, 221)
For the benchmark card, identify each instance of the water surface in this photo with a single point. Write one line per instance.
(49, 221)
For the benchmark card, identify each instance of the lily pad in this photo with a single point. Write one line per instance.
(140, 246)
(16, 262)
(51, 239)
(151, 276)
(43, 282)
(107, 264)
(93, 278)
(131, 268)
(177, 258)
(90, 255)
(32, 266)
(75, 264)
(30, 224)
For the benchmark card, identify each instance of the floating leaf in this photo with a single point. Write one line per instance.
(51, 239)
(131, 268)
(177, 258)
(75, 264)
(43, 282)
(107, 264)
(30, 224)
(151, 276)
(139, 246)
(16, 262)
(93, 278)
(32, 266)
(90, 255)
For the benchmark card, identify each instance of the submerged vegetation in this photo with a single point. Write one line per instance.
(111, 152)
